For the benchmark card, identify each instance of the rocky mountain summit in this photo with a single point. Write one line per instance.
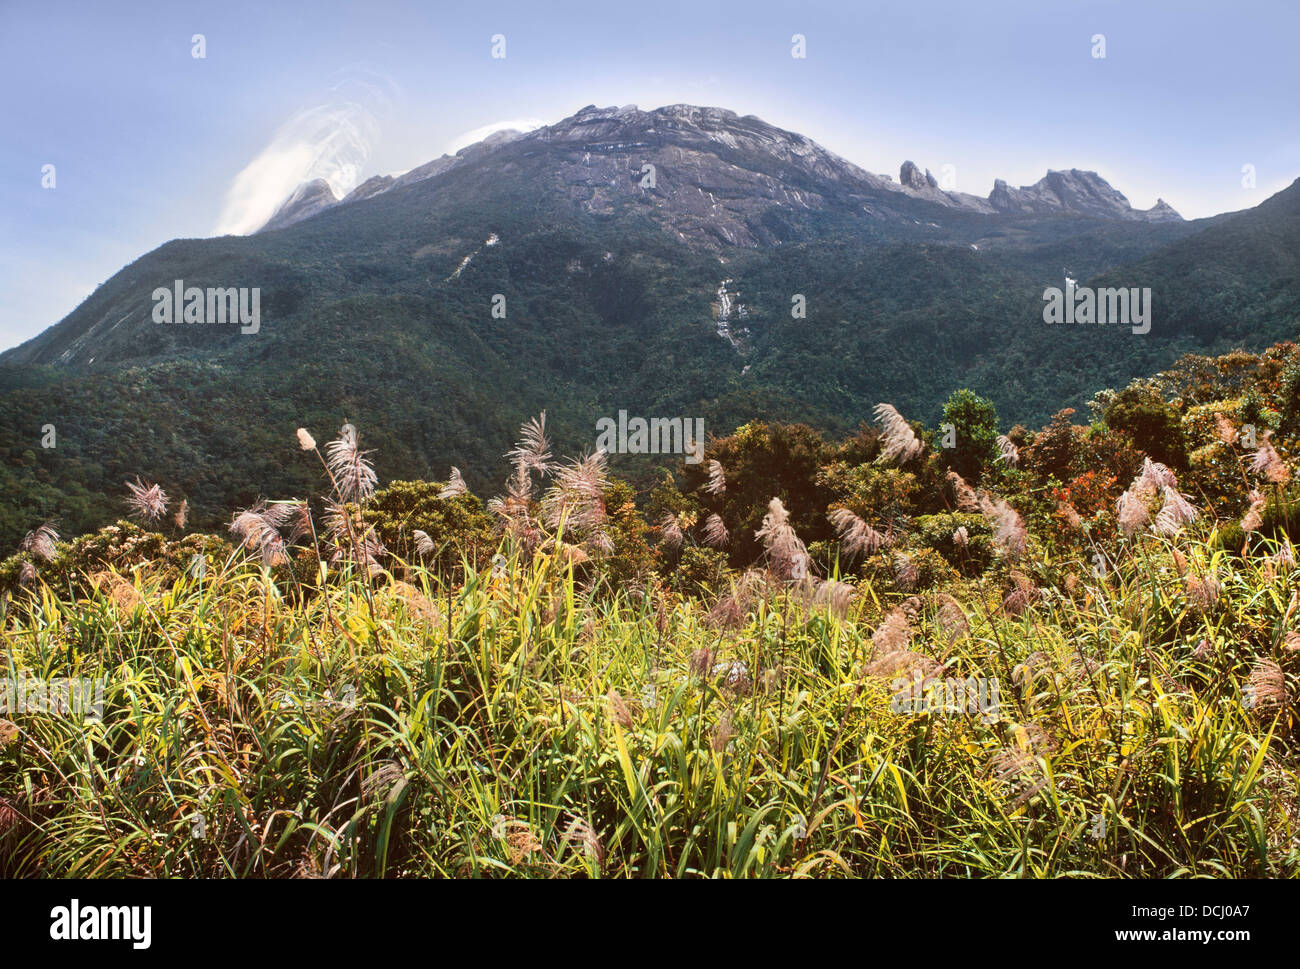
(1075, 192)
(719, 179)
(305, 201)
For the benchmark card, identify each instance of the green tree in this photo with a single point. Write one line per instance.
(1153, 424)
(974, 422)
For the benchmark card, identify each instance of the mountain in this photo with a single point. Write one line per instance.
(306, 200)
(648, 261)
(1078, 193)
(732, 172)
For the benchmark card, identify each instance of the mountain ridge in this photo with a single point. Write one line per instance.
(1057, 193)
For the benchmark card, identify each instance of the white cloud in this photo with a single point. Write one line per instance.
(331, 142)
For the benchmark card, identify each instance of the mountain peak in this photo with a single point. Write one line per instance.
(304, 202)
(1074, 192)
(723, 179)
(910, 176)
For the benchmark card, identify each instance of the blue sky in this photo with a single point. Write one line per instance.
(150, 143)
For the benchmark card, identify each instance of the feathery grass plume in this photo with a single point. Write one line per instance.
(381, 779)
(567, 554)
(1070, 514)
(619, 709)
(423, 543)
(258, 529)
(721, 734)
(336, 520)
(26, 573)
(856, 536)
(298, 520)
(1202, 593)
(1036, 738)
(147, 502)
(1037, 666)
(906, 574)
(785, 552)
(1009, 535)
(1223, 427)
(1269, 463)
(1254, 519)
(351, 539)
(533, 449)
(960, 537)
(455, 485)
(662, 614)
(1176, 512)
(1132, 513)
(700, 661)
(727, 613)
(1153, 479)
(581, 833)
(182, 514)
(717, 482)
(367, 552)
(1021, 595)
(378, 782)
(1007, 451)
(577, 495)
(732, 609)
(281, 513)
(670, 531)
(119, 590)
(1021, 773)
(1180, 562)
(40, 542)
(967, 498)
(354, 476)
(521, 841)
(1267, 686)
(833, 596)
(305, 440)
(894, 632)
(715, 532)
(513, 508)
(951, 618)
(901, 660)
(252, 530)
(899, 442)
(1083, 671)
(1291, 641)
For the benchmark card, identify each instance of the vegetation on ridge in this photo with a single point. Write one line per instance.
(1070, 651)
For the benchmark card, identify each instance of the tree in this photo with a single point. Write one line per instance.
(974, 422)
(1152, 423)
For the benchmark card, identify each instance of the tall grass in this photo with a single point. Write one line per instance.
(514, 724)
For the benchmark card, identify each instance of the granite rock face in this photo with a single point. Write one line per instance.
(1075, 192)
(307, 200)
(911, 177)
(717, 179)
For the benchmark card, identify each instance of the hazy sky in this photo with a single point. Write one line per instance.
(150, 143)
